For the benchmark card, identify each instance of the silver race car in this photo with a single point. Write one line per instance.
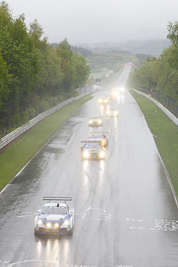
(55, 217)
(95, 120)
(92, 150)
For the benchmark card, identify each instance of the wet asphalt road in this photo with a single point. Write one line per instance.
(126, 214)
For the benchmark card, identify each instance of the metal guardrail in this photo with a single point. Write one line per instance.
(22, 129)
(165, 110)
(167, 101)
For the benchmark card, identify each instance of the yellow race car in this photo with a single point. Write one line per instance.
(95, 120)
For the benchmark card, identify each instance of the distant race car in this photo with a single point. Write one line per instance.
(95, 120)
(92, 150)
(103, 100)
(104, 106)
(112, 112)
(99, 136)
(55, 217)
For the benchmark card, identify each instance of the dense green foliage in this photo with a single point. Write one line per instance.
(33, 75)
(162, 73)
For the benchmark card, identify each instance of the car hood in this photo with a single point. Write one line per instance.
(53, 217)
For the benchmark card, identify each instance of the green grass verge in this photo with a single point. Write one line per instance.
(165, 133)
(18, 153)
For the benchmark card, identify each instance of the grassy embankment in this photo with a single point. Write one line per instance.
(165, 133)
(18, 153)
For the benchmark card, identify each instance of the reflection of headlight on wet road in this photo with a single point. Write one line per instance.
(101, 154)
(86, 154)
(114, 93)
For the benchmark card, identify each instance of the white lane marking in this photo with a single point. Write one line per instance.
(159, 225)
(56, 263)
(88, 208)
(103, 217)
(26, 214)
(20, 262)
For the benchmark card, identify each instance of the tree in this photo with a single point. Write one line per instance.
(173, 36)
(64, 52)
(80, 70)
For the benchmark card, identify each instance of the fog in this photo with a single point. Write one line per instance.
(94, 21)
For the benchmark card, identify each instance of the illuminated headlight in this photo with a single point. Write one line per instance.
(101, 155)
(39, 222)
(100, 101)
(65, 223)
(56, 225)
(103, 142)
(86, 154)
(48, 225)
(90, 121)
(105, 100)
(100, 121)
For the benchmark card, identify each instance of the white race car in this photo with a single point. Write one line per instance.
(92, 150)
(55, 217)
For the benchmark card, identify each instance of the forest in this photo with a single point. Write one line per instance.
(36, 75)
(161, 73)
(33, 75)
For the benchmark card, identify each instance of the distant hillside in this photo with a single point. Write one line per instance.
(151, 47)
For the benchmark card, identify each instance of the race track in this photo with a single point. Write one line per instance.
(125, 212)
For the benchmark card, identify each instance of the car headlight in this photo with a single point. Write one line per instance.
(39, 222)
(66, 223)
(100, 121)
(103, 142)
(48, 225)
(101, 154)
(86, 154)
(56, 225)
(90, 121)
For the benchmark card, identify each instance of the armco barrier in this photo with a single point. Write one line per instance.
(17, 132)
(165, 110)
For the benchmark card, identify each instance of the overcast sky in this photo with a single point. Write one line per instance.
(93, 21)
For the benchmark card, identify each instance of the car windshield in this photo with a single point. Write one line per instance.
(54, 210)
(92, 145)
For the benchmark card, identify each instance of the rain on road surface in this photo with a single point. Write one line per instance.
(125, 213)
